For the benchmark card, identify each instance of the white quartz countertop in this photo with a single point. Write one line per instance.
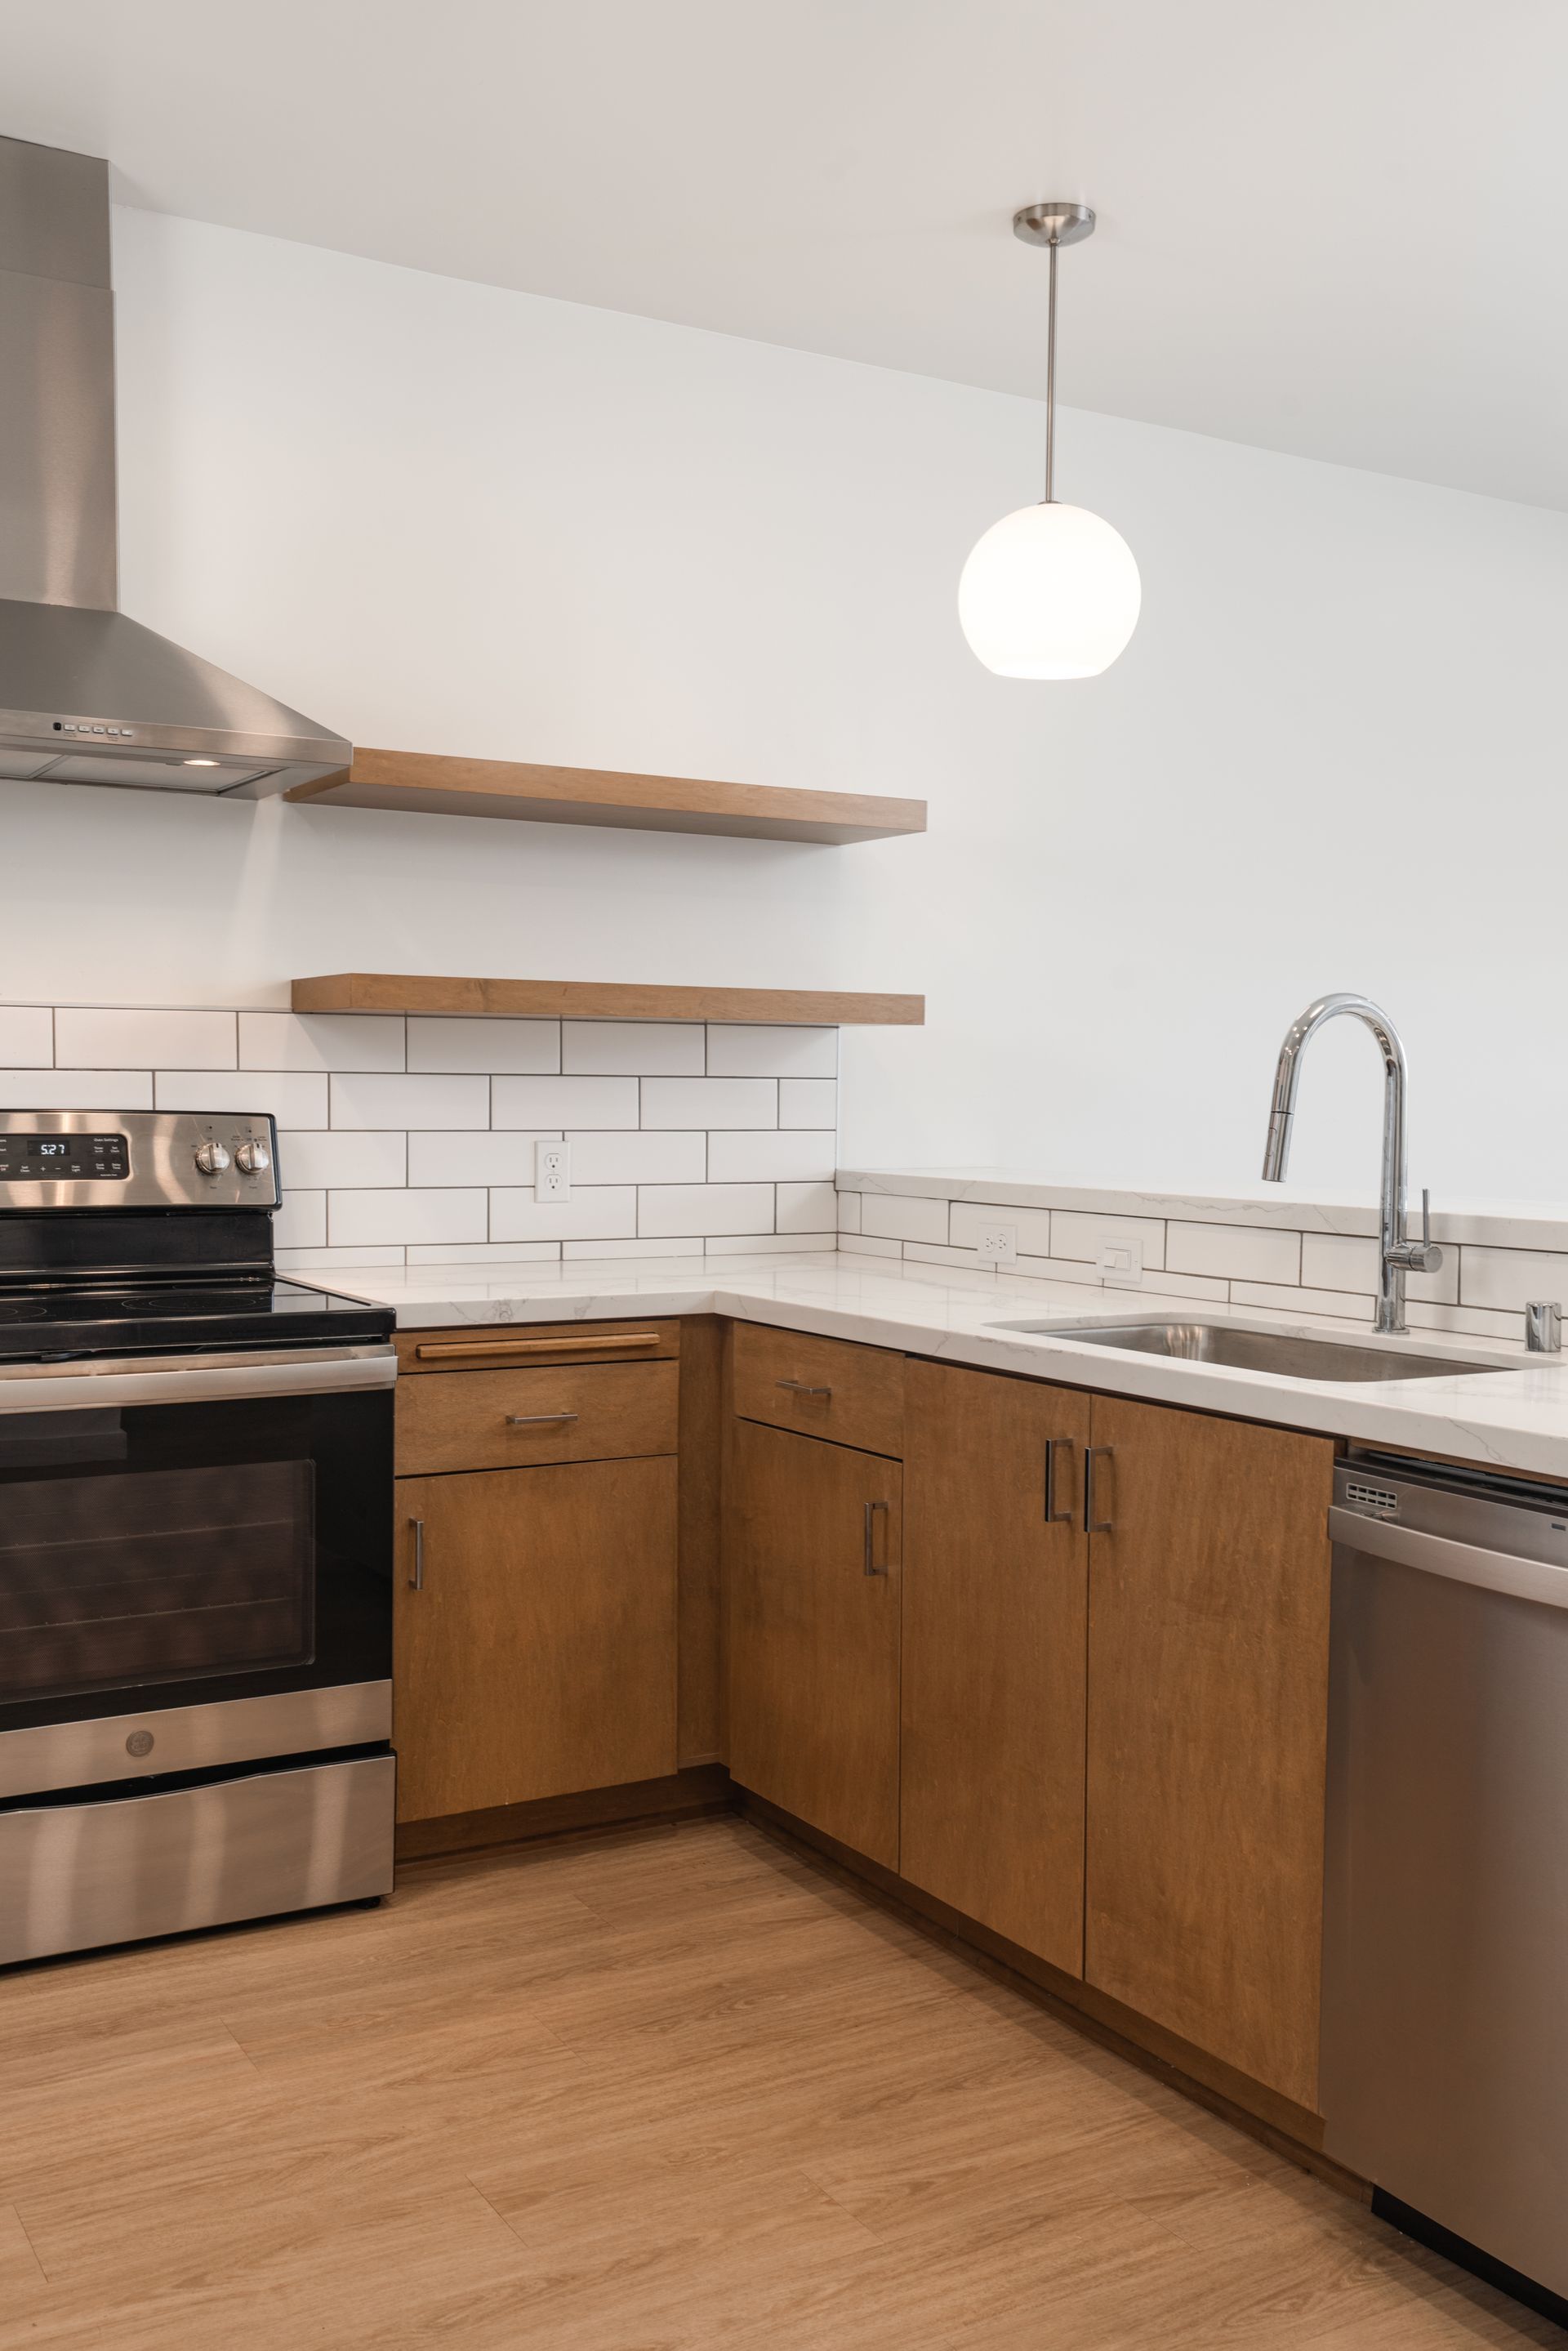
(1514, 1417)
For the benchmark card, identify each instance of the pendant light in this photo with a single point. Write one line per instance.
(1052, 591)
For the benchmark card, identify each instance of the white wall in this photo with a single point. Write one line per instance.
(448, 518)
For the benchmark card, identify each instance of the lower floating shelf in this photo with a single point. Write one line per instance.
(588, 1000)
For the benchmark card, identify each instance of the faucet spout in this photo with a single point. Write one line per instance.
(1396, 1254)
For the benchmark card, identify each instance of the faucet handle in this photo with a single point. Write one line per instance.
(1423, 1256)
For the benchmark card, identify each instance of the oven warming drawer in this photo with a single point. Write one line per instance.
(75, 1876)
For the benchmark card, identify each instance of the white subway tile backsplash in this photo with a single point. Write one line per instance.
(709, 1101)
(1505, 1278)
(359, 1219)
(335, 1260)
(764, 1244)
(704, 1208)
(26, 1036)
(808, 1102)
(293, 1097)
(607, 1213)
(75, 1090)
(885, 1217)
(564, 1101)
(1467, 1322)
(436, 1156)
(301, 1221)
(638, 1049)
(638, 1157)
(761, 1154)
(320, 1040)
(1075, 1233)
(970, 1218)
(849, 1212)
(1342, 1261)
(459, 1046)
(739, 1051)
(1277, 1298)
(1237, 1252)
(805, 1209)
(120, 1039)
(869, 1245)
(366, 1100)
(344, 1156)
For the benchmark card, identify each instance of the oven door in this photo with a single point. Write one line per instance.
(195, 1562)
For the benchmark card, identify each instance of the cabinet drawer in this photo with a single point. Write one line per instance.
(506, 1420)
(820, 1387)
(466, 1349)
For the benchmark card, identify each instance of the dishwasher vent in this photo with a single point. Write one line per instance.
(1380, 1499)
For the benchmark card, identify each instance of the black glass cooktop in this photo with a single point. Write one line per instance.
(48, 1323)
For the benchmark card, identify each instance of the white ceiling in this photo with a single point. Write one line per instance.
(1333, 228)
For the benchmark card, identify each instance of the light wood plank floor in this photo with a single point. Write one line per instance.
(655, 2093)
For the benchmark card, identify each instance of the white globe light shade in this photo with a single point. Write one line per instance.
(1050, 591)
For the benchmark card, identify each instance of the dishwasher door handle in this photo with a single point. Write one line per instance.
(1490, 1571)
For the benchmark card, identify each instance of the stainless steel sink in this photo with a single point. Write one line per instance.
(1239, 1348)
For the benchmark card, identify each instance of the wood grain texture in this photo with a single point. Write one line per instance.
(430, 784)
(1208, 1731)
(680, 1795)
(592, 1000)
(678, 2089)
(863, 1405)
(469, 1419)
(813, 1640)
(699, 1708)
(427, 1352)
(539, 1657)
(994, 1656)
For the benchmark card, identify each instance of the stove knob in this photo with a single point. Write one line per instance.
(254, 1158)
(212, 1158)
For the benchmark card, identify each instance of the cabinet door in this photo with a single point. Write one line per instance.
(1208, 1712)
(538, 1657)
(814, 1639)
(995, 1607)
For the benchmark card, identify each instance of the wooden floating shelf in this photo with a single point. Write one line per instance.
(588, 999)
(432, 786)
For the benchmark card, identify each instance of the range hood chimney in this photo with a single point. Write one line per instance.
(88, 697)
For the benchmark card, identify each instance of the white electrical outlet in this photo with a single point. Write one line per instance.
(552, 1171)
(997, 1245)
(1121, 1263)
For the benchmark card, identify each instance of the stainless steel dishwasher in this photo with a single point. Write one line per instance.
(1445, 2018)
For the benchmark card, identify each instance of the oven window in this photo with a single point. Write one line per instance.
(159, 1576)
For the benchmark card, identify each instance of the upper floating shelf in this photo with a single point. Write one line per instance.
(587, 1000)
(432, 786)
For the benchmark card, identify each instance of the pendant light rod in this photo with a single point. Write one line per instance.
(1053, 224)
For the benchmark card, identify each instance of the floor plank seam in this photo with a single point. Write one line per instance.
(15, 2210)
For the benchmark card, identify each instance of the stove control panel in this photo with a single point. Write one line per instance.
(137, 1158)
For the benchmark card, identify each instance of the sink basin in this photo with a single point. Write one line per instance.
(1243, 1349)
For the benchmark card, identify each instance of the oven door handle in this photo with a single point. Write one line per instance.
(128, 1381)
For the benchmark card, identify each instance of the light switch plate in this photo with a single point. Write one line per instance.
(552, 1171)
(1121, 1263)
(997, 1245)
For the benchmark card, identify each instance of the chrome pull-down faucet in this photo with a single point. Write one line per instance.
(1397, 1254)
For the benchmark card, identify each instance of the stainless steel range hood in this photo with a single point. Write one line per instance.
(88, 697)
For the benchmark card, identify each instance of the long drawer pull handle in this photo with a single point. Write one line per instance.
(445, 1352)
(799, 1387)
(1056, 1517)
(536, 1419)
(1093, 1452)
(871, 1566)
(417, 1580)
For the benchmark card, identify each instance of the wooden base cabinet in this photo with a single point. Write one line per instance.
(815, 1539)
(995, 1613)
(534, 1632)
(1209, 1597)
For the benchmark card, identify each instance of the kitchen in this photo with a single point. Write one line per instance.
(777, 1555)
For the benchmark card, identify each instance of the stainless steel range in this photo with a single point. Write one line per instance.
(195, 1543)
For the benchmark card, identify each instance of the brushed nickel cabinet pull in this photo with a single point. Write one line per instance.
(1053, 1516)
(1093, 1452)
(450, 1352)
(799, 1387)
(871, 1566)
(417, 1580)
(536, 1419)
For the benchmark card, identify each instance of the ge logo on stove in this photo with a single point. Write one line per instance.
(138, 1743)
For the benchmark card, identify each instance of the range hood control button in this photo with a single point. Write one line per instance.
(212, 1158)
(254, 1158)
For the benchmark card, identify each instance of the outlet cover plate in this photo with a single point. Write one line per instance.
(997, 1245)
(552, 1171)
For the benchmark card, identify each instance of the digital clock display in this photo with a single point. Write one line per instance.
(63, 1158)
